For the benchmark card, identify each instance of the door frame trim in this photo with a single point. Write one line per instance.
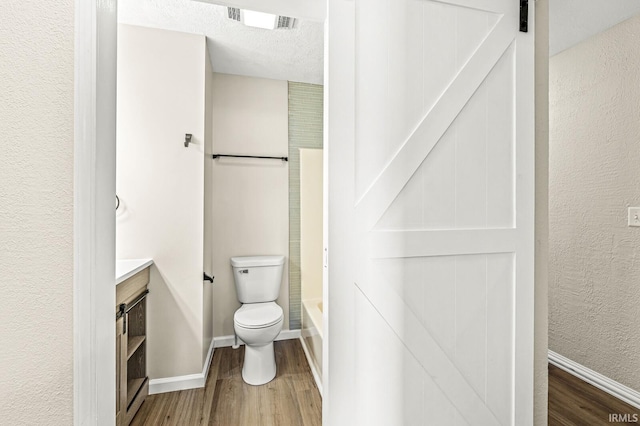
(94, 215)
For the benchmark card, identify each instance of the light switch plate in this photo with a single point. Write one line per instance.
(634, 216)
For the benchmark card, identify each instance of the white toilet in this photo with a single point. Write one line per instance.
(259, 320)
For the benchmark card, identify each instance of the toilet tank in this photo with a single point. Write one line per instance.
(257, 278)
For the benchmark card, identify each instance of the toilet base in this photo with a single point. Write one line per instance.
(259, 364)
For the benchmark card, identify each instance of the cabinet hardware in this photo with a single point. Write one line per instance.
(123, 314)
(137, 300)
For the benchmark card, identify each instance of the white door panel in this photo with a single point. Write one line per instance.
(466, 180)
(430, 213)
(401, 166)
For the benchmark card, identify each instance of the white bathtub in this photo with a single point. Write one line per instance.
(312, 335)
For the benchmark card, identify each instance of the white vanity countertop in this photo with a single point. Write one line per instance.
(126, 268)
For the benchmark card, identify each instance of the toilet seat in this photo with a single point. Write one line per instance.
(258, 315)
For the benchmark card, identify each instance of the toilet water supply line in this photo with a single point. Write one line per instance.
(235, 345)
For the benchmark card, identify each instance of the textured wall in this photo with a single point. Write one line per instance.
(250, 208)
(594, 289)
(36, 212)
(305, 131)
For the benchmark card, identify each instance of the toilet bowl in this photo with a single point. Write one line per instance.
(259, 320)
(257, 325)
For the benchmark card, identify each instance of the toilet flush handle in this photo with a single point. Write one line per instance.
(244, 271)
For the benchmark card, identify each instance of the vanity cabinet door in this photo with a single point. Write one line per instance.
(121, 372)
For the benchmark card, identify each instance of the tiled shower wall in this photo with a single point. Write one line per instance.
(305, 131)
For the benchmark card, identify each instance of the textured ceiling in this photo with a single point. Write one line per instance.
(572, 21)
(294, 55)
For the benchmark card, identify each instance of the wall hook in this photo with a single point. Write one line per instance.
(187, 140)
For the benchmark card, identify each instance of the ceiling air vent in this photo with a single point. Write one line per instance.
(234, 13)
(260, 19)
(285, 22)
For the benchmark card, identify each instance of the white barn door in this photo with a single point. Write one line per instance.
(431, 201)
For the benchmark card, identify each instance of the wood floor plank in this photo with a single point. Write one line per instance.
(290, 360)
(301, 383)
(310, 410)
(575, 402)
(230, 362)
(172, 403)
(285, 411)
(209, 389)
(228, 395)
(291, 399)
(153, 410)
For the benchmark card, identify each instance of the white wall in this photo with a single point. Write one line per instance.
(311, 223)
(573, 21)
(251, 205)
(594, 176)
(36, 213)
(161, 96)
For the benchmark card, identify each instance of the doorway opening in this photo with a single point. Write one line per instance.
(103, 250)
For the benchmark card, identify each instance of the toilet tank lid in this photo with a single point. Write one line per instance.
(249, 261)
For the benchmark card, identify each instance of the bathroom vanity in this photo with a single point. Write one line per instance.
(132, 383)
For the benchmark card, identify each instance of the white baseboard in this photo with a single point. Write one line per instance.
(194, 381)
(178, 383)
(226, 341)
(312, 365)
(618, 390)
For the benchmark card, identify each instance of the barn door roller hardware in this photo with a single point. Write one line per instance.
(524, 16)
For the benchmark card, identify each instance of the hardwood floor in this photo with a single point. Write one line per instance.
(292, 398)
(575, 402)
